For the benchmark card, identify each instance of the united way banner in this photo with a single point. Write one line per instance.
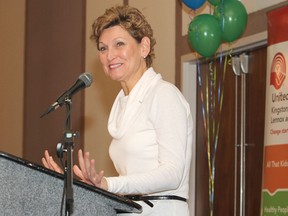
(275, 165)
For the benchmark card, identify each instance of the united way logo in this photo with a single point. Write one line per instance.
(278, 71)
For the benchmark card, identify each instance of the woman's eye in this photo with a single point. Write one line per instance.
(102, 49)
(119, 44)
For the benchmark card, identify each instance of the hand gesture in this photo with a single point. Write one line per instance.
(49, 163)
(87, 173)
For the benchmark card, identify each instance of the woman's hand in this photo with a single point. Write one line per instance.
(87, 172)
(49, 163)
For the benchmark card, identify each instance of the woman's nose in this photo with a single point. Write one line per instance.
(111, 54)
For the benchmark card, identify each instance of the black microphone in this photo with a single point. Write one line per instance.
(83, 81)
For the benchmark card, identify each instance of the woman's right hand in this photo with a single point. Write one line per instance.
(87, 173)
(49, 163)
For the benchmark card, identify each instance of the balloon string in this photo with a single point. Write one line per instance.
(211, 124)
(202, 96)
(209, 142)
(211, 131)
(213, 104)
(218, 123)
(206, 130)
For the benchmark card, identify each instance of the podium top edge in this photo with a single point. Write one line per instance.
(115, 197)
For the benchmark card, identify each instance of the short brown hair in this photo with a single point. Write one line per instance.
(130, 19)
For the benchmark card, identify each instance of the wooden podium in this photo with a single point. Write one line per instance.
(30, 189)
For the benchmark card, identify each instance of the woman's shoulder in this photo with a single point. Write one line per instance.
(165, 87)
(162, 89)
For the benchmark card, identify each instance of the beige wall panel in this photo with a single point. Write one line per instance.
(161, 16)
(99, 97)
(12, 22)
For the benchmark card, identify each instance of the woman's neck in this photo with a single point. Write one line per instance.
(128, 85)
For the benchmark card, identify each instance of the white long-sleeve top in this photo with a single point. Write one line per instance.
(152, 138)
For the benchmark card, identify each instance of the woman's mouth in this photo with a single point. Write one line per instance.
(113, 66)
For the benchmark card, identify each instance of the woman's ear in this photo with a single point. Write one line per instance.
(145, 44)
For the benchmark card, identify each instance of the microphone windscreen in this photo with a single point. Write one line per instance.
(86, 78)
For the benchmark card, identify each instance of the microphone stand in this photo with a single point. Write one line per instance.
(68, 147)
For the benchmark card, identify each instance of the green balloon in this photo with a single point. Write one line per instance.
(204, 34)
(216, 2)
(232, 16)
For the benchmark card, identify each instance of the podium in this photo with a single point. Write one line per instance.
(30, 189)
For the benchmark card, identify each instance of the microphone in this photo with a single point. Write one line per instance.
(83, 81)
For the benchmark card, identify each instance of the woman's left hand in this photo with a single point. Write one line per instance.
(49, 163)
(87, 173)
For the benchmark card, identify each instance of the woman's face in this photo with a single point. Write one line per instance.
(121, 56)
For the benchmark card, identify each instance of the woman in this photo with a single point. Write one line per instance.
(150, 121)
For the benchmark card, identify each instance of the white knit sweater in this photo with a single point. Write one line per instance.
(152, 138)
